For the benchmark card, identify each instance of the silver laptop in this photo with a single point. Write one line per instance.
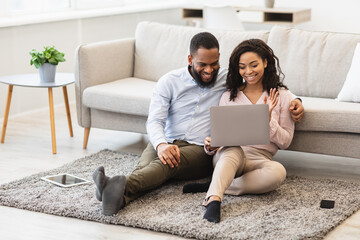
(239, 125)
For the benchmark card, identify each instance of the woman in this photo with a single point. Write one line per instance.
(253, 78)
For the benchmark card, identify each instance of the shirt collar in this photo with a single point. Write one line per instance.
(188, 73)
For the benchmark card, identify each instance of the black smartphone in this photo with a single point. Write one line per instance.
(327, 204)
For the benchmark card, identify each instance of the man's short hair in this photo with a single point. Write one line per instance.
(203, 39)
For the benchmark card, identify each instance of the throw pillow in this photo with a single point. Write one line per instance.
(350, 91)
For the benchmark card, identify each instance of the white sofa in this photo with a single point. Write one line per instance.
(115, 79)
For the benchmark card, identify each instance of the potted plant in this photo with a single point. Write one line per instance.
(46, 61)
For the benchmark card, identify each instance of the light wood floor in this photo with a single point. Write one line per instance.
(27, 150)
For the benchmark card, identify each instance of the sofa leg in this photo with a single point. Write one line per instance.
(86, 137)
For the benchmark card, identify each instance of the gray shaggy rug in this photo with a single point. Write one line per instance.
(291, 212)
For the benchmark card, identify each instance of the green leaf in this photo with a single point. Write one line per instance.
(37, 65)
(53, 61)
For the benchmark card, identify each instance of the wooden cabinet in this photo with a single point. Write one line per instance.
(289, 16)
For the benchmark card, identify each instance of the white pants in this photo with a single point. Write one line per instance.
(244, 170)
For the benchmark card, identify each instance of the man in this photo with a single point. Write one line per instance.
(177, 125)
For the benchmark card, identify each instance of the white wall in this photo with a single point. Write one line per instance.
(16, 42)
(334, 16)
(327, 15)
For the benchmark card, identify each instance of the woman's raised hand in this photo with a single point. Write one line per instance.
(272, 100)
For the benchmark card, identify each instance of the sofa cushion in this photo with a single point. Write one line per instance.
(160, 48)
(350, 92)
(329, 115)
(128, 95)
(315, 64)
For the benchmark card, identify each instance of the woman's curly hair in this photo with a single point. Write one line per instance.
(273, 76)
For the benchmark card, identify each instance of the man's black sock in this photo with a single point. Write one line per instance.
(196, 187)
(212, 213)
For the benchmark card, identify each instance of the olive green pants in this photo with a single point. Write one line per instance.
(151, 173)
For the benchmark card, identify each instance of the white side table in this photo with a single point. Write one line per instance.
(33, 80)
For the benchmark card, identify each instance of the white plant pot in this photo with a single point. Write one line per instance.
(47, 72)
(269, 3)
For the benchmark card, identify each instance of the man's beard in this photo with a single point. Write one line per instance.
(199, 80)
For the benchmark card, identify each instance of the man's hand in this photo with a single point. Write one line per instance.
(168, 154)
(207, 143)
(297, 110)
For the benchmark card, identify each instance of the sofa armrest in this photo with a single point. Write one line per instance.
(99, 63)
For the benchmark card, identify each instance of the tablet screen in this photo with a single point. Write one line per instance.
(65, 180)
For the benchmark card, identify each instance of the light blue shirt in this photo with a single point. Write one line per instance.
(180, 109)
